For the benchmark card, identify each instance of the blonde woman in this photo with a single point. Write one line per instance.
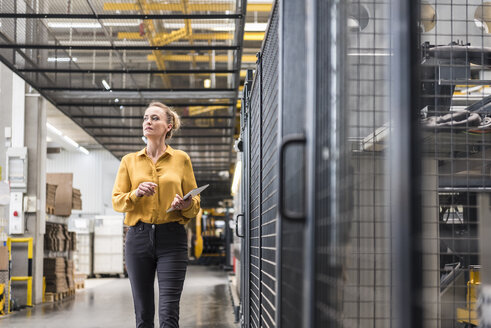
(148, 183)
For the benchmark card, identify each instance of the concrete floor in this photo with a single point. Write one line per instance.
(205, 303)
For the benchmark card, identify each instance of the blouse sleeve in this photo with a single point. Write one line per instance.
(123, 198)
(188, 184)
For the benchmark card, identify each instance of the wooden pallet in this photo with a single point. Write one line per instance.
(79, 280)
(50, 210)
(55, 297)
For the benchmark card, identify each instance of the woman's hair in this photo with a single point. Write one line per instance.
(172, 118)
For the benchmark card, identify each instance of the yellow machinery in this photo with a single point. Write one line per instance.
(27, 278)
(198, 245)
(2, 299)
(468, 315)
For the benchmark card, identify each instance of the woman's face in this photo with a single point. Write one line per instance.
(155, 122)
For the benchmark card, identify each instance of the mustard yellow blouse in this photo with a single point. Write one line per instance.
(173, 173)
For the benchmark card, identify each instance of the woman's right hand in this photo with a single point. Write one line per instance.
(146, 189)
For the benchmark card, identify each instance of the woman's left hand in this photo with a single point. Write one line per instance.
(180, 204)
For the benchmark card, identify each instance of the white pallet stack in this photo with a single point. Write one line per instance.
(82, 257)
(108, 245)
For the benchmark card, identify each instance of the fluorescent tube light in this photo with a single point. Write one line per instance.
(83, 150)
(53, 129)
(106, 85)
(71, 142)
(57, 136)
(73, 25)
(136, 23)
(62, 59)
(369, 54)
(255, 27)
(237, 175)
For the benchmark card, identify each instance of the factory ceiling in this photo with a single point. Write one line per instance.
(102, 62)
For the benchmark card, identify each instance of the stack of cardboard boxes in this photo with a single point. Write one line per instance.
(50, 198)
(73, 240)
(76, 199)
(70, 274)
(57, 238)
(61, 198)
(55, 273)
(66, 197)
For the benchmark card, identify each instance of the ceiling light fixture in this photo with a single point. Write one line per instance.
(73, 25)
(106, 85)
(62, 59)
(53, 129)
(255, 27)
(57, 136)
(70, 141)
(207, 83)
(83, 150)
(237, 176)
(110, 24)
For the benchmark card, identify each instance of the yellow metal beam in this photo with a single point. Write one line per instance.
(203, 58)
(27, 278)
(151, 35)
(198, 110)
(113, 6)
(248, 36)
(263, 7)
(254, 36)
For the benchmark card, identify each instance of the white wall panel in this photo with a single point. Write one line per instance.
(93, 174)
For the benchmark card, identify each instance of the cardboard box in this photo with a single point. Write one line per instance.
(4, 258)
(64, 192)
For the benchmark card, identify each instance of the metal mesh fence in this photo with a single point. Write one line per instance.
(455, 126)
(356, 251)
(360, 227)
(263, 183)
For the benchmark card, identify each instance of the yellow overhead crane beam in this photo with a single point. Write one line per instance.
(259, 7)
(154, 40)
(248, 36)
(204, 58)
(160, 39)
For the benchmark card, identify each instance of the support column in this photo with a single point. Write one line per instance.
(484, 217)
(35, 141)
(430, 243)
(25, 113)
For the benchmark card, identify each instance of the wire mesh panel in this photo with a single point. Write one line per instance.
(357, 272)
(254, 206)
(263, 183)
(269, 171)
(455, 123)
(351, 230)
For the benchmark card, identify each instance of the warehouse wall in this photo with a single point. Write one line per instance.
(5, 110)
(93, 174)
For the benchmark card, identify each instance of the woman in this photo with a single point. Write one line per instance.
(148, 183)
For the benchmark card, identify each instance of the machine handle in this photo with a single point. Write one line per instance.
(287, 141)
(237, 225)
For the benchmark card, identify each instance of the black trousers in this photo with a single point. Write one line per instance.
(160, 248)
